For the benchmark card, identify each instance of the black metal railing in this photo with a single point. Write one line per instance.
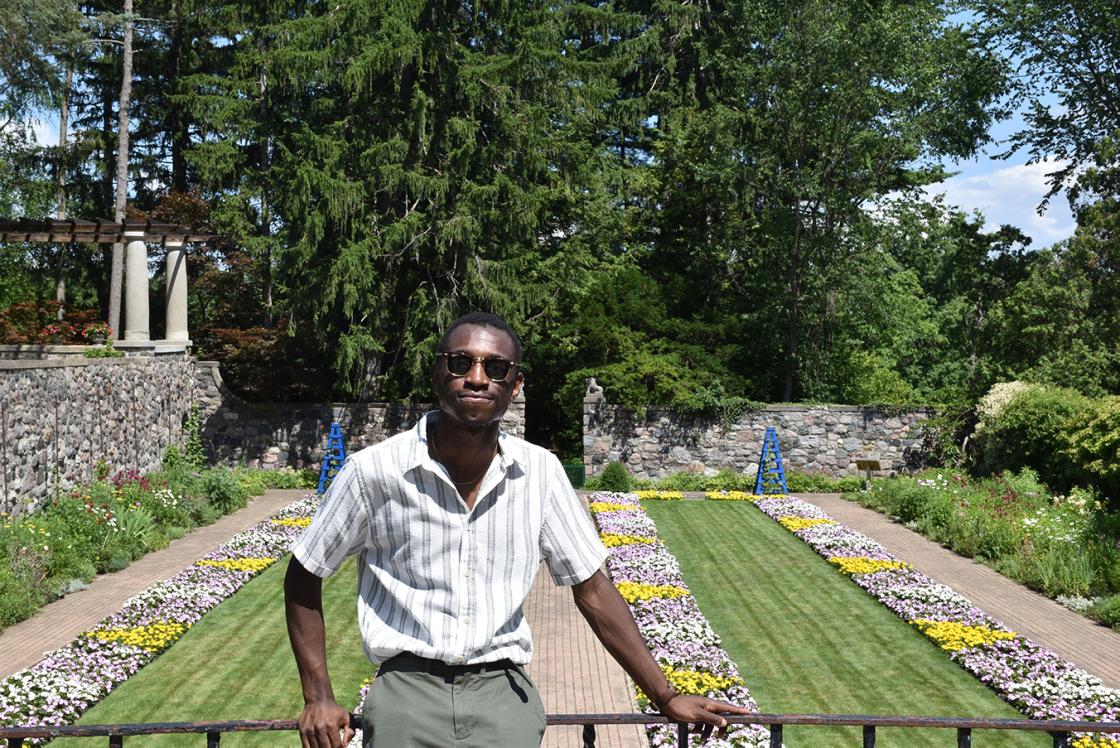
(1060, 730)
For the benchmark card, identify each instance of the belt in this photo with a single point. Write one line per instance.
(410, 663)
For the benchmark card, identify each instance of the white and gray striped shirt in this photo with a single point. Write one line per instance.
(439, 580)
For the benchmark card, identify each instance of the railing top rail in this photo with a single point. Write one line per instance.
(262, 725)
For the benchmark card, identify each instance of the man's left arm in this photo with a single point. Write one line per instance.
(611, 620)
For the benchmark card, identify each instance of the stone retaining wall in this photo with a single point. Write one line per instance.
(61, 413)
(59, 416)
(294, 435)
(819, 438)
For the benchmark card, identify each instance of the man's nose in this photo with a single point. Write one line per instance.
(476, 375)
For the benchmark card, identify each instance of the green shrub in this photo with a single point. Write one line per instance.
(1095, 446)
(800, 482)
(223, 489)
(1108, 611)
(173, 458)
(615, 477)
(1033, 430)
(19, 596)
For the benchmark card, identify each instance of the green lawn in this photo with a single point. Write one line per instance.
(236, 664)
(807, 639)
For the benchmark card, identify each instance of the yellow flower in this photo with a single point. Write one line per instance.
(697, 682)
(864, 565)
(239, 564)
(732, 496)
(659, 494)
(612, 539)
(634, 591)
(952, 636)
(1096, 740)
(608, 506)
(793, 524)
(155, 637)
(293, 522)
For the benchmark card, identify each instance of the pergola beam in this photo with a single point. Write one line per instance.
(100, 231)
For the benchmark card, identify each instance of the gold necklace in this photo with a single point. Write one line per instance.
(435, 448)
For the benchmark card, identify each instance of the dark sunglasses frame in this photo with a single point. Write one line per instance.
(486, 361)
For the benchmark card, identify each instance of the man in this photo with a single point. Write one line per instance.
(452, 520)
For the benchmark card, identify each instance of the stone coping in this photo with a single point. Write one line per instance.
(36, 356)
(790, 408)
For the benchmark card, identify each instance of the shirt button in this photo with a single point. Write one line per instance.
(458, 660)
(467, 620)
(466, 573)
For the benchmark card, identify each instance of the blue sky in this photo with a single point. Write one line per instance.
(1008, 191)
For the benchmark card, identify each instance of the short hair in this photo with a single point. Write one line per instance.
(482, 319)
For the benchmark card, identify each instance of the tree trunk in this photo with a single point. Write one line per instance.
(794, 285)
(63, 126)
(266, 215)
(116, 275)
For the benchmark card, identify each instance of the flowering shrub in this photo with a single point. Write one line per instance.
(1032, 679)
(655, 494)
(679, 636)
(59, 688)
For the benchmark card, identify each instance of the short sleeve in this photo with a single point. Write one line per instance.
(340, 527)
(569, 543)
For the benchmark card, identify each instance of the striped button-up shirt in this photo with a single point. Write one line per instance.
(435, 578)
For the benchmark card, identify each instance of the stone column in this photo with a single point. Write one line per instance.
(136, 324)
(176, 291)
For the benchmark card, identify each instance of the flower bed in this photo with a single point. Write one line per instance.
(679, 636)
(1032, 679)
(68, 681)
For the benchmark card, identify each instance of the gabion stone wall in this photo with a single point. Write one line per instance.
(58, 417)
(277, 435)
(820, 438)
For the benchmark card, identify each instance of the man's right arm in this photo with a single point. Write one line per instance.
(322, 719)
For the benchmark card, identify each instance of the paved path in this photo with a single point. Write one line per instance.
(1089, 645)
(572, 670)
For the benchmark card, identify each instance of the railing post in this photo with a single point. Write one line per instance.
(775, 736)
(589, 736)
(1061, 739)
(964, 737)
(869, 736)
(213, 739)
(15, 742)
(116, 741)
(682, 735)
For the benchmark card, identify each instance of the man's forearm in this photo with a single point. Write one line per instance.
(610, 618)
(303, 609)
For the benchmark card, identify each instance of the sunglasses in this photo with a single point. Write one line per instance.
(497, 369)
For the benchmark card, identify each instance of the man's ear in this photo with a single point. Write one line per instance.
(518, 383)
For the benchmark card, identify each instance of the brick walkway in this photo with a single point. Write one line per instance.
(572, 670)
(1092, 647)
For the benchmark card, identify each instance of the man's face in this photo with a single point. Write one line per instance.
(473, 399)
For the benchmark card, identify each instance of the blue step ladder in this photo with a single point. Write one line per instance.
(332, 458)
(771, 477)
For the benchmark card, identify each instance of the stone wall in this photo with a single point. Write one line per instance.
(59, 416)
(818, 438)
(277, 435)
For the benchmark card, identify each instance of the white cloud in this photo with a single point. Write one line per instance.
(1010, 195)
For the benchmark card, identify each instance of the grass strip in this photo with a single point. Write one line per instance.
(806, 639)
(236, 663)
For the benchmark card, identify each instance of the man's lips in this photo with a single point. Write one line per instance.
(475, 397)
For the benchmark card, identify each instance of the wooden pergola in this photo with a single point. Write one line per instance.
(99, 231)
(136, 235)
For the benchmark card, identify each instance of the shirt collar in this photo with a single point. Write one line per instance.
(509, 453)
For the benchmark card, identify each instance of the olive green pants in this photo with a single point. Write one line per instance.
(407, 707)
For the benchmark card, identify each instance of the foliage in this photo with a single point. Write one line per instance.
(1094, 445)
(1059, 545)
(1107, 611)
(194, 454)
(615, 477)
(108, 350)
(104, 525)
(1033, 430)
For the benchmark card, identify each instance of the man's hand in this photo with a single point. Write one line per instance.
(321, 723)
(701, 710)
